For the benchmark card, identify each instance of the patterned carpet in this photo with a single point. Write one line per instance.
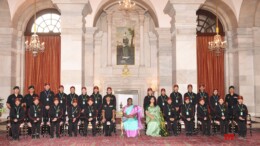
(143, 140)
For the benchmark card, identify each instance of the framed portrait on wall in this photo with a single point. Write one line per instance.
(125, 48)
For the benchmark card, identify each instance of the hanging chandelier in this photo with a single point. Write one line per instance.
(35, 46)
(217, 45)
(126, 5)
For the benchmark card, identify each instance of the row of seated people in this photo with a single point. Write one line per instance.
(56, 118)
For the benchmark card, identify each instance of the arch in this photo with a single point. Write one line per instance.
(39, 14)
(226, 15)
(5, 14)
(105, 3)
(25, 12)
(247, 13)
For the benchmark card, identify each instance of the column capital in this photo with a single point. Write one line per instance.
(65, 6)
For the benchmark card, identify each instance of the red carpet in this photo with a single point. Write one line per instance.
(143, 140)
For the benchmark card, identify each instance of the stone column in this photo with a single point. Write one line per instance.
(183, 13)
(256, 37)
(109, 38)
(164, 59)
(88, 60)
(246, 67)
(142, 54)
(72, 41)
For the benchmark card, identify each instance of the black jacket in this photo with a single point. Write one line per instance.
(35, 111)
(193, 98)
(46, 98)
(213, 103)
(187, 111)
(221, 110)
(17, 112)
(202, 112)
(240, 110)
(205, 95)
(70, 98)
(55, 112)
(176, 99)
(74, 112)
(97, 98)
(112, 99)
(82, 101)
(90, 112)
(162, 101)
(169, 112)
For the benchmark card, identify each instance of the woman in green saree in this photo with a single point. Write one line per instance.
(154, 119)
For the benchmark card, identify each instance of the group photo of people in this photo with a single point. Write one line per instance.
(57, 115)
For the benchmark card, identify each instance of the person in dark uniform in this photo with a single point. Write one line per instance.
(170, 116)
(55, 115)
(97, 98)
(176, 97)
(231, 101)
(35, 117)
(71, 96)
(46, 99)
(16, 118)
(203, 94)
(112, 97)
(187, 114)
(162, 99)
(213, 103)
(90, 113)
(222, 116)
(191, 95)
(108, 114)
(74, 114)
(240, 113)
(63, 101)
(147, 98)
(203, 116)
(11, 99)
(82, 101)
(28, 98)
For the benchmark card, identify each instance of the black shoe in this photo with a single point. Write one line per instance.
(106, 134)
(187, 134)
(52, 136)
(70, 135)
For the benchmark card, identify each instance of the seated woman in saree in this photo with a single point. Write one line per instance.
(132, 115)
(153, 118)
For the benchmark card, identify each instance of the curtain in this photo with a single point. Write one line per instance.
(45, 67)
(210, 67)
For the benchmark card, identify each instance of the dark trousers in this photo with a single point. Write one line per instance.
(206, 126)
(172, 126)
(56, 126)
(15, 128)
(242, 127)
(93, 123)
(45, 115)
(73, 127)
(36, 128)
(108, 128)
(189, 126)
(223, 126)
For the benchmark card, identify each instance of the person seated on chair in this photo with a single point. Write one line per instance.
(73, 115)
(203, 116)
(55, 115)
(187, 114)
(132, 115)
(153, 118)
(213, 103)
(35, 116)
(16, 117)
(108, 114)
(170, 115)
(90, 114)
(240, 113)
(222, 116)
